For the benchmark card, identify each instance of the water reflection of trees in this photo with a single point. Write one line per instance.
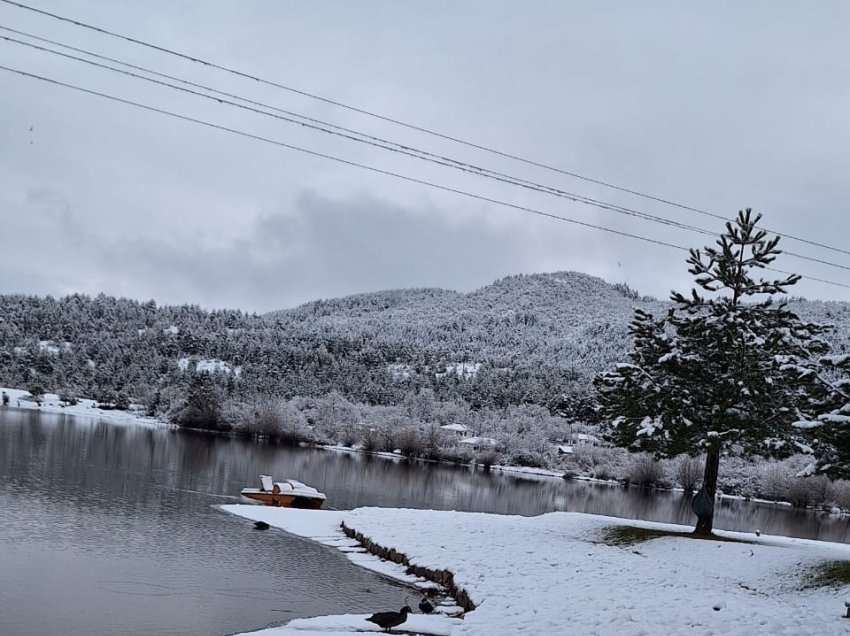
(141, 466)
(105, 508)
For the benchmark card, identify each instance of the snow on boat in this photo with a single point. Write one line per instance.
(287, 494)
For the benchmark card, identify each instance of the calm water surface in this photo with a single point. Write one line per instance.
(109, 529)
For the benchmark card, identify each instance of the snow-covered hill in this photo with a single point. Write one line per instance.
(523, 339)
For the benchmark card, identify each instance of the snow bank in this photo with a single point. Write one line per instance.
(551, 574)
(50, 403)
(323, 526)
(347, 624)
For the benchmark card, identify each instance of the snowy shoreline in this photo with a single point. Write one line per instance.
(546, 473)
(553, 574)
(51, 403)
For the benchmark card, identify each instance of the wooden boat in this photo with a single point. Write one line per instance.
(287, 494)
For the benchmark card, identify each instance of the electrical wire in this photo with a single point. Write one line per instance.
(364, 166)
(359, 137)
(350, 134)
(399, 122)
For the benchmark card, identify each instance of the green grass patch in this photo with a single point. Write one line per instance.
(623, 536)
(828, 574)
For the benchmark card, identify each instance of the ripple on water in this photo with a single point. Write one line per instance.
(118, 529)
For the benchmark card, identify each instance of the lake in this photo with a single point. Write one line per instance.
(108, 528)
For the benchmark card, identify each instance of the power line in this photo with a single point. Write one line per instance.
(369, 139)
(346, 133)
(365, 166)
(359, 137)
(399, 122)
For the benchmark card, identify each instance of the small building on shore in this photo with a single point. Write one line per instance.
(458, 430)
(582, 439)
(480, 443)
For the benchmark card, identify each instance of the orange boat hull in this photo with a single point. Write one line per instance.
(283, 499)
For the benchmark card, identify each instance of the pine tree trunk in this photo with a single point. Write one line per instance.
(709, 484)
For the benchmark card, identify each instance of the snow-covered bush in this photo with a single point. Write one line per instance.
(774, 481)
(264, 420)
(68, 397)
(277, 421)
(332, 412)
(740, 475)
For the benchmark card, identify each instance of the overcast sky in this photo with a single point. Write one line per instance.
(719, 107)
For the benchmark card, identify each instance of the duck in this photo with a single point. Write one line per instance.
(425, 606)
(261, 525)
(388, 620)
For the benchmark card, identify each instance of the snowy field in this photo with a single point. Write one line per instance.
(50, 403)
(551, 574)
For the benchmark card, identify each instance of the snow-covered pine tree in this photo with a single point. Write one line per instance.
(830, 431)
(720, 372)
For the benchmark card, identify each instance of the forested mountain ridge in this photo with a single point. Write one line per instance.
(527, 339)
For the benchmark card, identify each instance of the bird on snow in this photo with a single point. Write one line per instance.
(425, 606)
(261, 525)
(388, 620)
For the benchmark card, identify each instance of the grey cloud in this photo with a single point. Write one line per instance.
(719, 107)
(323, 248)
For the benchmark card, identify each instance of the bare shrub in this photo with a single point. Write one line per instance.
(585, 457)
(774, 482)
(529, 458)
(457, 455)
(267, 421)
(294, 435)
(434, 442)
(387, 441)
(348, 438)
(604, 471)
(808, 491)
(371, 441)
(820, 488)
(279, 422)
(646, 472)
(487, 458)
(688, 471)
(410, 443)
(797, 492)
(841, 493)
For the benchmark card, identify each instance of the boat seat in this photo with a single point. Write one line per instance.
(297, 485)
(282, 486)
(266, 483)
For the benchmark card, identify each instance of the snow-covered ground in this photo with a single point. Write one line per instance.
(50, 403)
(551, 574)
